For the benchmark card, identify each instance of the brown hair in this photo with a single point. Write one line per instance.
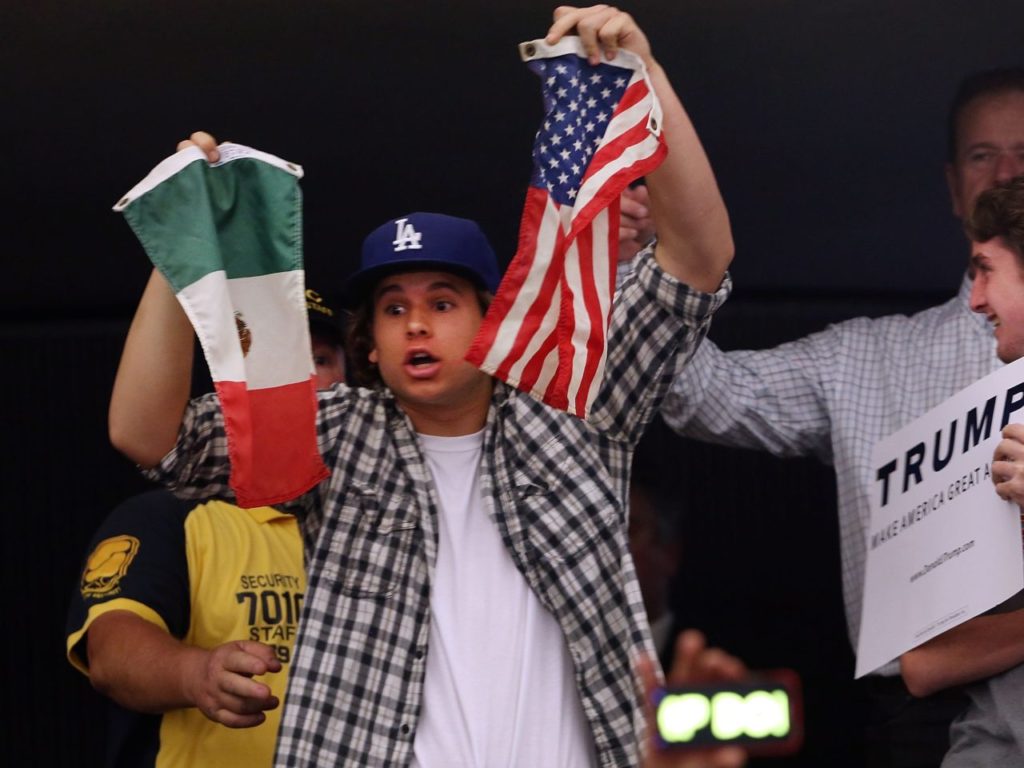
(359, 342)
(999, 212)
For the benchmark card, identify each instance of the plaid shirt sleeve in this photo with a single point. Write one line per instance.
(657, 323)
(197, 467)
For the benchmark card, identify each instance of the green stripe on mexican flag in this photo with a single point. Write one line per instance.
(228, 238)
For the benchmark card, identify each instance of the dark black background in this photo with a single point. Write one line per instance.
(824, 121)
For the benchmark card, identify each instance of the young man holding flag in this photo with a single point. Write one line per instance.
(471, 600)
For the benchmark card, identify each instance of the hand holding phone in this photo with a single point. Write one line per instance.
(688, 727)
(761, 712)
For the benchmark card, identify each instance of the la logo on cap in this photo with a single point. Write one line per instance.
(406, 236)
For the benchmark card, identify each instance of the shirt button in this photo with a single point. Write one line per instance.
(419, 653)
(405, 729)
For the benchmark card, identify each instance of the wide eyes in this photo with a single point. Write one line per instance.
(397, 309)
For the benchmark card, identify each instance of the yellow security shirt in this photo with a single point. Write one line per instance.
(209, 575)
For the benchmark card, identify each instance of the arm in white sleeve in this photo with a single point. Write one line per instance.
(774, 400)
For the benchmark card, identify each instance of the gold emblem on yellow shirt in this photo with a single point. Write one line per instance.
(108, 564)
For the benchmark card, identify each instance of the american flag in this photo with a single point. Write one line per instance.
(545, 332)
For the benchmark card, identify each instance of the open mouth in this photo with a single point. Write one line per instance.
(418, 359)
(420, 364)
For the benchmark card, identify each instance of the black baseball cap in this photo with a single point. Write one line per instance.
(323, 317)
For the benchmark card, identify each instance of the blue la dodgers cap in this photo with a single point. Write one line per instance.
(424, 241)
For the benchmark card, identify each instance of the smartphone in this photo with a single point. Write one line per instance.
(763, 713)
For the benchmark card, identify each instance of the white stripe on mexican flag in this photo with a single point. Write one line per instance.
(228, 238)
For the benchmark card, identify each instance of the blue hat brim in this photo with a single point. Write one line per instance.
(360, 286)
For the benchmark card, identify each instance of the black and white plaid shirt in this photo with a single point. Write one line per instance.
(554, 486)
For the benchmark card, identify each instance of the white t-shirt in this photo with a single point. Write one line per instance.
(499, 688)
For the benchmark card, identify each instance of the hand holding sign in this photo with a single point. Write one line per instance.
(935, 522)
(1008, 464)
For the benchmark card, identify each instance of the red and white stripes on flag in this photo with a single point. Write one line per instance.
(545, 331)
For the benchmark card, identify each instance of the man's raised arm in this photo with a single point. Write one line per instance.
(694, 239)
(154, 377)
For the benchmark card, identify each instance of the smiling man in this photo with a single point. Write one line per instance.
(987, 653)
(997, 265)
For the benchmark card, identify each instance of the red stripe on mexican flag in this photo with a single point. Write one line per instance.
(228, 238)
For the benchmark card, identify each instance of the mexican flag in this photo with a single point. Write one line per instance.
(228, 238)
